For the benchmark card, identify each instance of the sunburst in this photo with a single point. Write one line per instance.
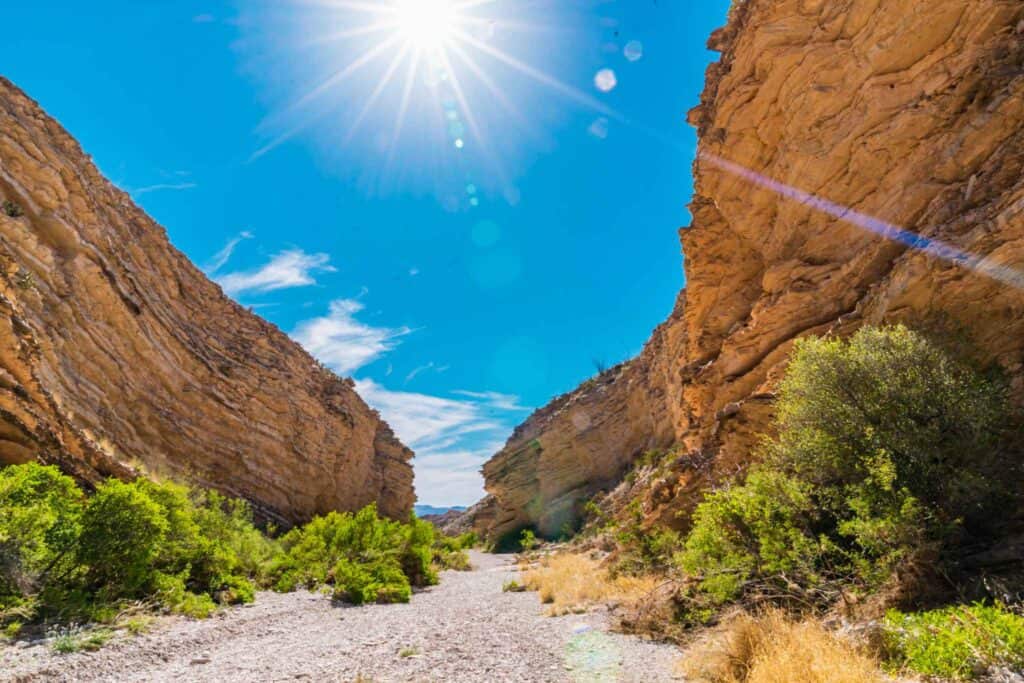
(421, 85)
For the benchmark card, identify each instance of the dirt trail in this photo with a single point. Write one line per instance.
(465, 629)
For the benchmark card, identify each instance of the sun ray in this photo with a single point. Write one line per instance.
(493, 88)
(440, 85)
(369, 29)
(403, 107)
(471, 118)
(340, 76)
(382, 84)
(356, 5)
(927, 245)
(540, 76)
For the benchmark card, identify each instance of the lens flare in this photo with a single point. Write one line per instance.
(933, 247)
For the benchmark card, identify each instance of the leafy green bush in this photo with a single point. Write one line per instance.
(887, 447)
(642, 548)
(66, 556)
(40, 517)
(122, 531)
(958, 642)
(750, 530)
(365, 558)
(528, 540)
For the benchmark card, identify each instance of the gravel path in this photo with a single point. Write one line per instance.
(465, 629)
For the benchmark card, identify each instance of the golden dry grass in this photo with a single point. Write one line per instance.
(774, 649)
(574, 583)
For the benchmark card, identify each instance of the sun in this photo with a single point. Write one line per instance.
(426, 24)
(425, 92)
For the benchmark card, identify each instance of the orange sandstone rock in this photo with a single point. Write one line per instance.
(119, 357)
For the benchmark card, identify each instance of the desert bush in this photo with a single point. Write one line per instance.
(122, 530)
(12, 210)
(573, 583)
(753, 529)
(66, 556)
(40, 518)
(364, 557)
(888, 447)
(641, 548)
(960, 642)
(772, 648)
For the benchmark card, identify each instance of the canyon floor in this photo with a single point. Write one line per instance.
(465, 629)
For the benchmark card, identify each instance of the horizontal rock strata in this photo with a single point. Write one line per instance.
(119, 357)
(825, 128)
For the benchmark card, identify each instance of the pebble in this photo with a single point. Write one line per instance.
(466, 630)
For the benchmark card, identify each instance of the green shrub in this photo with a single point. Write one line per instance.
(122, 531)
(65, 556)
(12, 210)
(887, 447)
(642, 548)
(365, 557)
(360, 583)
(958, 642)
(75, 638)
(527, 540)
(758, 528)
(457, 560)
(40, 516)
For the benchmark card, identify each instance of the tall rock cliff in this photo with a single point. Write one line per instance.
(118, 356)
(860, 162)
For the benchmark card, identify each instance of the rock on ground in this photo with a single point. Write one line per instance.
(464, 630)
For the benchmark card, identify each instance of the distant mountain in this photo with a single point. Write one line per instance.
(422, 510)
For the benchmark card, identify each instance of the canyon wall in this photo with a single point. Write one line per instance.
(861, 161)
(119, 357)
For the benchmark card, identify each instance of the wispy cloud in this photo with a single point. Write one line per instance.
(204, 19)
(293, 268)
(139, 191)
(496, 400)
(344, 343)
(427, 424)
(221, 258)
(424, 368)
(452, 437)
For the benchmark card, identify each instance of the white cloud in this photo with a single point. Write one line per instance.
(496, 400)
(138, 192)
(292, 268)
(452, 437)
(343, 343)
(427, 424)
(423, 368)
(452, 478)
(221, 258)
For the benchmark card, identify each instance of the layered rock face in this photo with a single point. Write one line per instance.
(119, 357)
(826, 128)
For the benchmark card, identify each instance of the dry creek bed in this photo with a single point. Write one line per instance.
(465, 629)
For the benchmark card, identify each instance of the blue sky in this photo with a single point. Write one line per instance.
(466, 255)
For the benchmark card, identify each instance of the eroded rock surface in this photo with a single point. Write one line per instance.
(819, 117)
(118, 356)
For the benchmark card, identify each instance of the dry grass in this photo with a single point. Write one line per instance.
(774, 649)
(574, 583)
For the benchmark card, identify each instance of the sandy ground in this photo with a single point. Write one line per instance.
(465, 629)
